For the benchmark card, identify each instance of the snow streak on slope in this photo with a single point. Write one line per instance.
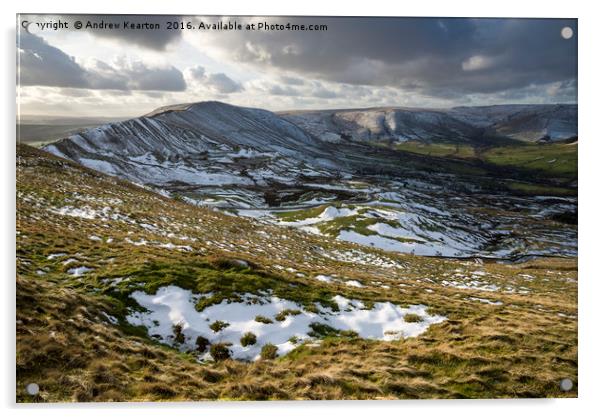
(373, 124)
(413, 222)
(203, 144)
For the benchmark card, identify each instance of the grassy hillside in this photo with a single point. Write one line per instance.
(455, 150)
(86, 242)
(555, 159)
(532, 161)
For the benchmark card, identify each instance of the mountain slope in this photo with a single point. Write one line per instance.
(207, 143)
(399, 124)
(473, 125)
(255, 163)
(92, 249)
(523, 122)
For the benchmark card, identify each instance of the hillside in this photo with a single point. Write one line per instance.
(478, 126)
(410, 196)
(124, 294)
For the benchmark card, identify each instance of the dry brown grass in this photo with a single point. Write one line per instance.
(66, 344)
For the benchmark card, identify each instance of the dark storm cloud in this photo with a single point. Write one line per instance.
(440, 57)
(41, 62)
(44, 65)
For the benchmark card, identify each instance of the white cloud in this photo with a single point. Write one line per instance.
(218, 83)
(221, 83)
(477, 62)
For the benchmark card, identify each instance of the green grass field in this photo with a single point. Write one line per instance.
(533, 161)
(437, 149)
(557, 159)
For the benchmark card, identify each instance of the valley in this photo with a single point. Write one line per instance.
(213, 252)
(457, 189)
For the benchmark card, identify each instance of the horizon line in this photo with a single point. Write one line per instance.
(434, 108)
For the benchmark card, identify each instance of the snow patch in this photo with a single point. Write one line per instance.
(79, 271)
(324, 278)
(486, 301)
(172, 305)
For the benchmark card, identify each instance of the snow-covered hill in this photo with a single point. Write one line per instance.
(260, 164)
(523, 122)
(399, 124)
(203, 144)
(459, 124)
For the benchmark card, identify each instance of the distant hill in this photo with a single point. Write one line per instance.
(475, 125)
(44, 129)
(236, 159)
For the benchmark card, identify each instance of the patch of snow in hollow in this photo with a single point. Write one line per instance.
(170, 245)
(471, 285)
(114, 282)
(95, 238)
(84, 213)
(69, 261)
(392, 245)
(141, 242)
(55, 255)
(360, 257)
(328, 214)
(149, 227)
(172, 305)
(79, 271)
(527, 277)
(486, 301)
(324, 278)
(387, 230)
(40, 272)
(255, 214)
(423, 241)
(354, 283)
(311, 229)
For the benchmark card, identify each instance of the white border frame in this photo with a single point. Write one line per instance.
(589, 225)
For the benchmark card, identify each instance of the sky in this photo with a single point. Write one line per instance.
(356, 62)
